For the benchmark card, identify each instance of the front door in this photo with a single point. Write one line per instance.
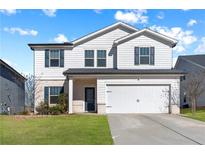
(90, 99)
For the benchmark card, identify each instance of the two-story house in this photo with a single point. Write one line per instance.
(118, 69)
(12, 90)
(194, 65)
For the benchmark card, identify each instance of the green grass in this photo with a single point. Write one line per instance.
(68, 129)
(199, 115)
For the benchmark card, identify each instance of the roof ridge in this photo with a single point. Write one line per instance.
(113, 24)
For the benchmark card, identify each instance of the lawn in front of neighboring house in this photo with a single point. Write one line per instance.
(63, 129)
(199, 115)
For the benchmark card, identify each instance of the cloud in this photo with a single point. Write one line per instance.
(8, 11)
(184, 37)
(160, 15)
(50, 12)
(98, 11)
(201, 47)
(185, 9)
(60, 38)
(191, 22)
(174, 60)
(132, 16)
(21, 31)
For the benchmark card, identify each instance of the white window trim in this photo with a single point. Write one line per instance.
(90, 58)
(144, 55)
(95, 57)
(54, 58)
(101, 58)
(49, 87)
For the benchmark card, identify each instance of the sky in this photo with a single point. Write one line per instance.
(20, 27)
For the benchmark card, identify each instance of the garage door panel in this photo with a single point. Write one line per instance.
(137, 99)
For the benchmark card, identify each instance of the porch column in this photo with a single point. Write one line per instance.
(70, 96)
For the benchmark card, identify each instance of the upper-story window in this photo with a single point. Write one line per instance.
(144, 55)
(54, 58)
(101, 58)
(89, 58)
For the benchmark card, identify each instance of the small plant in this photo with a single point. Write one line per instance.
(59, 108)
(55, 110)
(26, 112)
(63, 102)
(43, 108)
(4, 113)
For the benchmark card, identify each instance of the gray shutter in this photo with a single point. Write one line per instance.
(61, 58)
(47, 58)
(46, 94)
(136, 55)
(152, 53)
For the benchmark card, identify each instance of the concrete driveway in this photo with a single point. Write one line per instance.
(155, 129)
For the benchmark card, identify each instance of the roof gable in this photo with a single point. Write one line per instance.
(167, 40)
(105, 30)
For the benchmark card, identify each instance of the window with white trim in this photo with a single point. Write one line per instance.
(89, 58)
(51, 94)
(54, 58)
(144, 55)
(101, 58)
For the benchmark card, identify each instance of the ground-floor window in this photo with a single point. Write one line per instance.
(51, 94)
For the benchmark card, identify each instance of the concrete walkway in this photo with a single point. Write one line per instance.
(155, 129)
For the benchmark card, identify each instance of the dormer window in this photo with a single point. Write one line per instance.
(54, 58)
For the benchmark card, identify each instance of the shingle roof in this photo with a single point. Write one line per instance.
(198, 59)
(171, 41)
(32, 45)
(121, 71)
(3, 63)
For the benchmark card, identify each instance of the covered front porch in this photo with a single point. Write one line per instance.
(82, 95)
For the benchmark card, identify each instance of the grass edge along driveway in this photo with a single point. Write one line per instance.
(66, 129)
(199, 115)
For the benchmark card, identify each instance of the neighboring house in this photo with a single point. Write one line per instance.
(12, 89)
(191, 64)
(118, 69)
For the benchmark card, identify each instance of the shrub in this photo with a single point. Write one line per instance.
(63, 102)
(59, 108)
(4, 113)
(42, 108)
(26, 112)
(55, 110)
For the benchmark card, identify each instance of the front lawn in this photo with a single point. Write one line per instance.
(68, 129)
(199, 115)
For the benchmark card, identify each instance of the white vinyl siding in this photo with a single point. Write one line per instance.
(42, 72)
(125, 54)
(75, 58)
(103, 42)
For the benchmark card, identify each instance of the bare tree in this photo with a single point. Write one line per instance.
(31, 89)
(194, 86)
(172, 96)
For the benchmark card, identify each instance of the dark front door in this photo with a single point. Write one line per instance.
(90, 99)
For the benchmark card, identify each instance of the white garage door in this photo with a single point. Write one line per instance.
(137, 99)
